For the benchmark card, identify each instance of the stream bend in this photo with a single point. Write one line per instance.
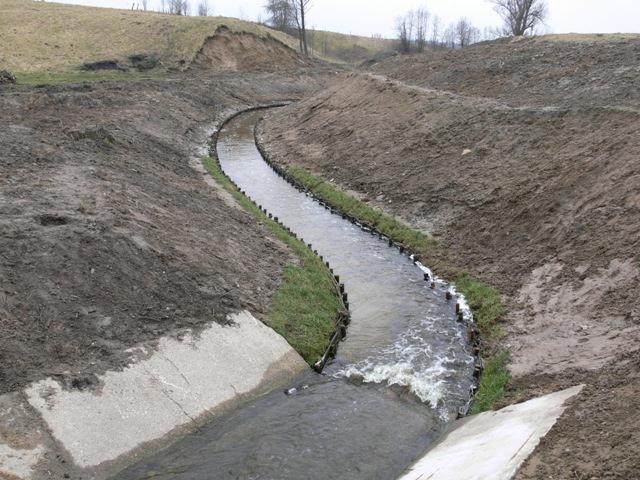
(401, 374)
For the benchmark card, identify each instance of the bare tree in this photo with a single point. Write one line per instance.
(449, 36)
(280, 14)
(144, 4)
(203, 8)
(175, 7)
(301, 9)
(435, 31)
(521, 16)
(465, 33)
(421, 20)
(404, 29)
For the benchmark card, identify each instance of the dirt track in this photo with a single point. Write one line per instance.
(109, 237)
(540, 201)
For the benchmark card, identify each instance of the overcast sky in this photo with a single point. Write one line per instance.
(368, 17)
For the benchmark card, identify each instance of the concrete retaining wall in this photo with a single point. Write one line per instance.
(172, 388)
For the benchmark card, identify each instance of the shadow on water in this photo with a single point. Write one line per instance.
(402, 372)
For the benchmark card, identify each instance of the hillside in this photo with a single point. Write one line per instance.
(520, 159)
(348, 48)
(572, 70)
(39, 37)
(51, 37)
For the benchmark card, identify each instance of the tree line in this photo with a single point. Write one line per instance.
(290, 16)
(416, 30)
(419, 28)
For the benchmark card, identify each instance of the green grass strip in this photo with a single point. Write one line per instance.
(305, 307)
(61, 78)
(483, 299)
(386, 224)
(487, 308)
(485, 303)
(493, 382)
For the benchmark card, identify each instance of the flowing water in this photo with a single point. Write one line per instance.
(399, 376)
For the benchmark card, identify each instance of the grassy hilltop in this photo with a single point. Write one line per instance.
(48, 38)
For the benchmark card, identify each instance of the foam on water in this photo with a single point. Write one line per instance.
(410, 361)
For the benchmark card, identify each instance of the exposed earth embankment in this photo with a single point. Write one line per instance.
(540, 201)
(568, 70)
(109, 237)
(123, 267)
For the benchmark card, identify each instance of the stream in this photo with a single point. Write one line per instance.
(399, 377)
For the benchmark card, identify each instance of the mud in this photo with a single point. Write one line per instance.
(108, 236)
(533, 191)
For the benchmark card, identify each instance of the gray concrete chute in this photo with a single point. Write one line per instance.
(170, 390)
(492, 444)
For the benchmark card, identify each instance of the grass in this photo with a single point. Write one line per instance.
(49, 78)
(305, 307)
(588, 37)
(58, 38)
(493, 382)
(483, 299)
(485, 302)
(410, 238)
(487, 308)
(347, 48)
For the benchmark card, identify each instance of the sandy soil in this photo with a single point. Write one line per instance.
(108, 237)
(228, 51)
(539, 200)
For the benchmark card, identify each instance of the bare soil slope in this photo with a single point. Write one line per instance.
(108, 237)
(541, 201)
(228, 51)
(553, 70)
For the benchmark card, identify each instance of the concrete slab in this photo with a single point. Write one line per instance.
(492, 444)
(171, 388)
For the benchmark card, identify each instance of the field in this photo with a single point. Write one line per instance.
(44, 42)
(347, 48)
(51, 37)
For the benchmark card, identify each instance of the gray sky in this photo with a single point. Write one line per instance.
(367, 17)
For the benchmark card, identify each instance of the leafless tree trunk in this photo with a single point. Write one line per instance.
(404, 29)
(466, 33)
(203, 8)
(281, 14)
(435, 31)
(421, 17)
(521, 16)
(175, 7)
(144, 4)
(449, 36)
(301, 8)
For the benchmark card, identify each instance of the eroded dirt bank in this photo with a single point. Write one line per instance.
(108, 236)
(539, 201)
(587, 70)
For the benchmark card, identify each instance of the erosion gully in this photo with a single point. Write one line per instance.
(399, 377)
